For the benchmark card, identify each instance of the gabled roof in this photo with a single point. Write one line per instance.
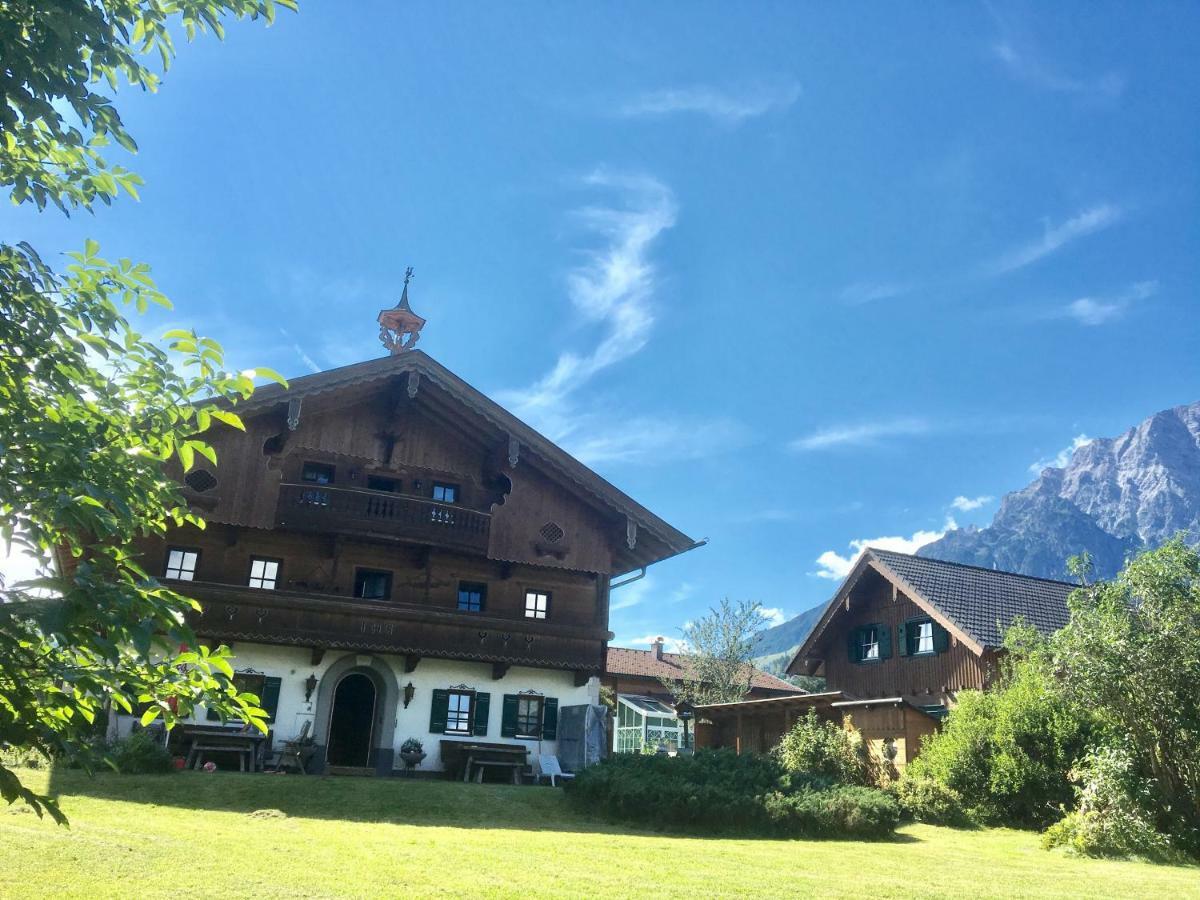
(411, 362)
(644, 663)
(973, 603)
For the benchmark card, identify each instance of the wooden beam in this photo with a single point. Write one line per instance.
(499, 670)
(414, 384)
(410, 663)
(293, 417)
(581, 677)
(318, 654)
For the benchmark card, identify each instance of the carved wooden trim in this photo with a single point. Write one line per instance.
(630, 532)
(293, 414)
(318, 654)
(499, 670)
(414, 384)
(514, 451)
(410, 663)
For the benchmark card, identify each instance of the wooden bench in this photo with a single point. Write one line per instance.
(481, 764)
(471, 758)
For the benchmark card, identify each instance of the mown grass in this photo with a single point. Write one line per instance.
(226, 835)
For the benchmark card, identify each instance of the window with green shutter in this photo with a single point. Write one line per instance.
(923, 637)
(483, 703)
(869, 643)
(438, 710)
(265, 687)
(550, 719)
(508, 716)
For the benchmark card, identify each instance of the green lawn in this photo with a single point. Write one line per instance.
(193, 835)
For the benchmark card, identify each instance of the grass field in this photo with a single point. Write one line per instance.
(196, 835)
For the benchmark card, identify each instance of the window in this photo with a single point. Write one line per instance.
(265, 687)
(537, 604)
(379, 483)
(458, 713)
(923, 637)
(264, 572)
(181, 563)
(471, 597)
(445, 493)
(869, 644)
(529, 716)
(317, 473)
(371, 584)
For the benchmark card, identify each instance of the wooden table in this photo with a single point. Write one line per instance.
(217, 739)
(482, 755)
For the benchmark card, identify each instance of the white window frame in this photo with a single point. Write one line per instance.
(464, 712)
(924, 642)
(870, 643)
(537, 604)
(181, 564)
(264, 573)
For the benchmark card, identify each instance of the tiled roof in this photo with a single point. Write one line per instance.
(981, 602)
(624, 661)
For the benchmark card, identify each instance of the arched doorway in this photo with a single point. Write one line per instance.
(352, 721)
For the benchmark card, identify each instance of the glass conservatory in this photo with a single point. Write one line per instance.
(646, 722)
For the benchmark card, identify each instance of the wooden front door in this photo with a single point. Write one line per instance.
(352, 722)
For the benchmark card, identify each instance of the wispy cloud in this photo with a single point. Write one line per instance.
(1026, 65)
(299, 351)
(968, 504)
(593, 439)
(836, 566)
(1060, 459)
(728, 106)
(772, 615)
(863, 434)
(1055, 237)
(633, 594)
(1101, 310)
(643, 642)
(871, 291)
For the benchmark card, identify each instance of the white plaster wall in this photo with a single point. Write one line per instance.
(294, 664)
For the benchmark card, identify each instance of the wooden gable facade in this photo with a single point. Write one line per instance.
(394, 472)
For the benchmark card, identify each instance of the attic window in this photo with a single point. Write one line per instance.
(200, 480)
(551, 533)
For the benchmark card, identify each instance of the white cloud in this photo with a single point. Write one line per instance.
(1062, 457)
(869, 291)
(1024, 65)
(685, 590)
(632, 594)
(836, 566)
(772, 615)
(1055, 237)
(613, 288)
(859, 435)
(725, 106)
(299, 351)
(593, 439)
(1094, 311)
(967, 504)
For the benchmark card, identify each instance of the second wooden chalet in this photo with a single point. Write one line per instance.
(393, 555)
(899, 640)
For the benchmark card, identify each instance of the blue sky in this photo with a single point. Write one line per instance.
(794, 276)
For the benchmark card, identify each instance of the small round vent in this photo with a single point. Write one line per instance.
(551, 533)
(200, 480)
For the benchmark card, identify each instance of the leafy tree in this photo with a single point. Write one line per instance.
(90, 410)
(1131, 654)
(823, 749)
(1004, 755)
(718, 649)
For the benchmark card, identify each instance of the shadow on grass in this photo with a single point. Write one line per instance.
(399, 801)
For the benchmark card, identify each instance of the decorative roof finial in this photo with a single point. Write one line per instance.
(400, 328)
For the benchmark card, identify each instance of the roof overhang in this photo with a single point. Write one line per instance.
(810, 653)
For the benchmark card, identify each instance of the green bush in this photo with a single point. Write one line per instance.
(1002, 756)
(1115, 815)
(823, 749)
(847, 811)
(720, 791)
(141, 754)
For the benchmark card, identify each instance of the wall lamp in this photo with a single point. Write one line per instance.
(409, 690)
(310, 685)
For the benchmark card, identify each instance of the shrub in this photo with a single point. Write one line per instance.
(1006, 753)
(719, 791)
(819, 748)
(928, 800)
(848, 811)
(141, 754)
(1115, 816)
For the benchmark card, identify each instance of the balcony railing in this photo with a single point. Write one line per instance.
(312, 507)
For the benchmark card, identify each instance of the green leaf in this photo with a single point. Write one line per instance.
(150, 715)
(91, 248)
(270, 374)
(229, 418)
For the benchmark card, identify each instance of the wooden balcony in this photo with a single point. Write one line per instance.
(337, 510)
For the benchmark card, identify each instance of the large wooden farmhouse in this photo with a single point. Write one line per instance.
(392, 555)
(899, 640)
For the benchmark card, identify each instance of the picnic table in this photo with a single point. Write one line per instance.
(246, 743)
(475, 757)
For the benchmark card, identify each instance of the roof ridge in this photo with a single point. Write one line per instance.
(962, 565)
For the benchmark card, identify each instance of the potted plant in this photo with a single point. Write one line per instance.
(412, 751)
